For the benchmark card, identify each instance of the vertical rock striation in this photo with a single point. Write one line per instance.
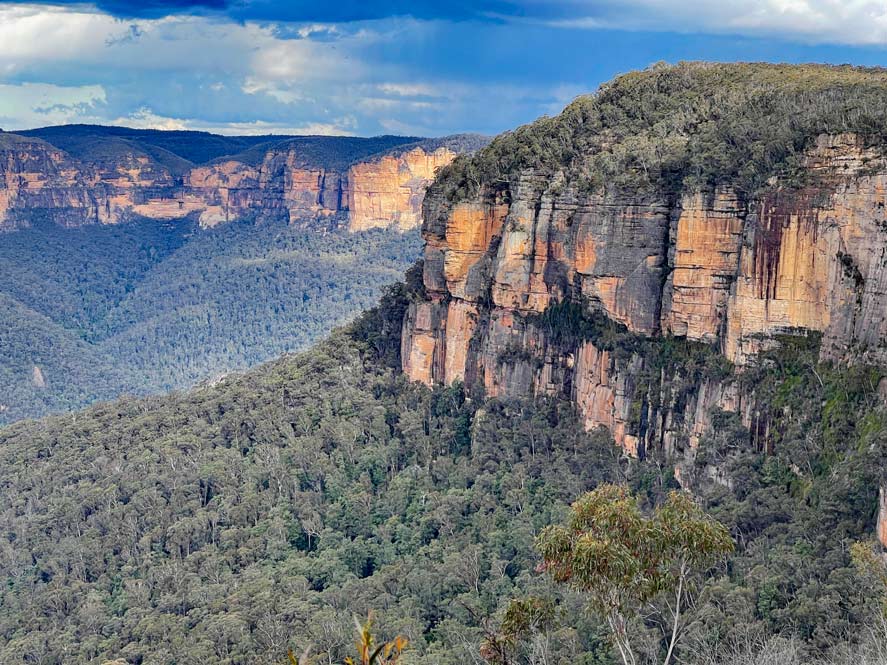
(389, 191)
(39, 179)
(708, 266)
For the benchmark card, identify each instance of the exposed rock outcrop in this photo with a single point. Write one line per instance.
(389, 191)
(37, 178)
(882, 517)
(707, 266)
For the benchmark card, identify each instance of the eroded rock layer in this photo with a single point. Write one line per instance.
(38, 179)
(706, 266)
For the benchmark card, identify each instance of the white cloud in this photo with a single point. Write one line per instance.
(31, 36)
(373, 104)
(341, 127)
(145, 118)
(854, 22)
(39, 104)
(455, 100)
(207, 72)
(407, 89)
(44, 33)
(281, 92)
(183, 63)
(318, 30)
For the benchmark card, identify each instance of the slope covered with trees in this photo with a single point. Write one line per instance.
(148, 306)
(259, 513)
(187, 148)
(241, 519)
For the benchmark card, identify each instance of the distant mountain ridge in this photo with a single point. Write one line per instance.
(90, 174)
(144, 260)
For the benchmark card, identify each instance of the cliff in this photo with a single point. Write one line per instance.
(555, 253)
(106, 180)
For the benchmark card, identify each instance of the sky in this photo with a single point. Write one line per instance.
(361, 67)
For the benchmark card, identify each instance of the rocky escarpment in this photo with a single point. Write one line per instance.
(707, 267)
(37, 178)
(527, 285)
(382, 192)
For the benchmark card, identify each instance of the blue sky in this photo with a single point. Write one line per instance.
(365, 68)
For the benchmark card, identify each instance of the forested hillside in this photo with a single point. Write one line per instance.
(234, 521)
(183, 149)
(663, 308)
(149, 306)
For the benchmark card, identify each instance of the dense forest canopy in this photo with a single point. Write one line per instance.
(260, 513)
(80, 141)
(178, 150)
(150, 306)
(687, 125)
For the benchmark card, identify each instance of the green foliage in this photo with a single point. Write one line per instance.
(672, 367)
(328, 152)
(623, 560)
(567, 324)
(524, 620)
(686, 125)
(380, 327)
(164, 305)
(220, 524)
(797, 489)
(84, 142)
(180, 150)
(369, 653)
(223, 524)
(868, 558)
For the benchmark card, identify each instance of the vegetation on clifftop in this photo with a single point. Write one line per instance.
(688, 125)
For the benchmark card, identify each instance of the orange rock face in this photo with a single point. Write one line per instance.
(816, 260)
(707, 238)
(601, 397)
(882, 517)
(707, 266)
(390, 191)
(34, 176)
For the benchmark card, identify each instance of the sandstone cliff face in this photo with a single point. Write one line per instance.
(707, 266)
(34, 176)
(881, 528)
(389, 191)
(37, 178)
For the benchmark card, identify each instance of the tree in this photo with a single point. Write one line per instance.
(624, 560)
(525, 621)
(869, 560)
(368, 652)
(387, 653)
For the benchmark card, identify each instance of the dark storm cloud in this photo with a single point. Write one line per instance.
(342, 11)
(413, 68)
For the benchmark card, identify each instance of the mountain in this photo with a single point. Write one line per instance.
(724, 205)
(673, 284)
(117, 260)
(81, 174)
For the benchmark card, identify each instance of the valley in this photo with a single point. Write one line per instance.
(671, 295)
(144, 308)
(126, 267)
